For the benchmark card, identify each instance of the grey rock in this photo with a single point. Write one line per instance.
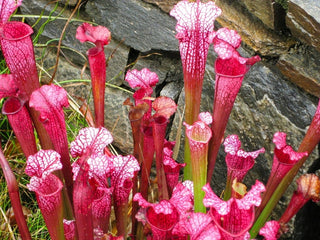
(76, 51)
(253, 32)
(263, 9)
(117, 56)
(52, 27)
(142, 26)
(167, 65)
(303, 20)
(172, 90)
(117, 120)
(164, 5)
(270, 12)
(68, 73)
(69, 2)
(302, 68)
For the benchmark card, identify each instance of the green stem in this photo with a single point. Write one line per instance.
(199, 171)
(198, 135)
(192, 109)
(282, 187)
(264, 216)
(187, 172)
(228, 189)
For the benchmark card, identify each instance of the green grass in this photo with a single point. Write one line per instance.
(3, 66)
(5, 130)
(37, 226)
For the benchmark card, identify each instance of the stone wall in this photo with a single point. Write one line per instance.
(278, 94)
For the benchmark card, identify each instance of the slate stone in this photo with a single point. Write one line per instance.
(117, 56)
(46, 59)
(167, 65)
(164, 5)
(52, 29)
(116, 51)
(252, 31)
(172, 90)
(69, 2)
(142, 26)
(262, 9)
(117, 120)
(270, 12)
(303, 20)
(302, 68)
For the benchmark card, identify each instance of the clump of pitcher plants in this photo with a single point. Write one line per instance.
(78, 186)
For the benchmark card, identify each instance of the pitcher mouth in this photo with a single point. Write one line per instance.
(15, 31)
(241, 69)
(12, 105)
(234, 235)
(169, 228)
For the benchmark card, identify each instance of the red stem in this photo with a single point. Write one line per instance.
(14, 197)
(279, 170)
(121, 212)
(193, 89)
(159, 132)
(296, 203)
(82, 198)
(97, 62)
(135, 116)
(226, 90)
(148, 155)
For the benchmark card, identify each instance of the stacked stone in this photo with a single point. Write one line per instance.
(278, 94)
